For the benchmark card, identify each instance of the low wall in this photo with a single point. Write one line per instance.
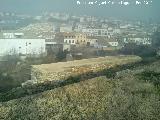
(62, 71)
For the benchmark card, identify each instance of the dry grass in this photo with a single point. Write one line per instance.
(64, 70)
(98, 99)
(61, 66)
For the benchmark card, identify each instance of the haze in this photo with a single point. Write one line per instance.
(36, 7)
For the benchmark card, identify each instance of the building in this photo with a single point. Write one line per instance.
(18, 43)
(97, 32)
(78, 39)
(69, 38)
(104, 42)
(138, 39)
(13, 35)
(46, 35)
(81, 38)
(38, 28)
(80, 26)
(113, 43)
(92, 41)
(66, 28)
(54, 45)
(22, 46)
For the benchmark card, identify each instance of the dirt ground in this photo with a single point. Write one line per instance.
(61, 66)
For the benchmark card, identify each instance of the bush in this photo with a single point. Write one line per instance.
(6, 82)
(140, 50)
(151, 76)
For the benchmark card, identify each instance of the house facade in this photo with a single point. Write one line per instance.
(95, 32)
(17, 43)
(69, 38)
(113, 44)
(138, 40)
(22, 46)
(81, 38)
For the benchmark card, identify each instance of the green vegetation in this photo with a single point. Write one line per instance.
(132, 96)
(156, 39)
(140, 50)
(98, 98)
(61, 55)
(151, 76)
(14, 71)
(48, 85)
(129, 97)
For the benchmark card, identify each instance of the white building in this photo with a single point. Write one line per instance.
(140, 40)
(97, 32)
(79, 27)
(66, 28)
(13, 35)
(113, 44)
(22, 46)
(144, 41)
(82, 19)
(91, 41)
(69, 38)
(16, 43)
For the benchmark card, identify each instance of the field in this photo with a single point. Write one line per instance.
(64, 70)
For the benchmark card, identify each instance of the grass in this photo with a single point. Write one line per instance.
(127, 98)
(100, 98)
(48, 85)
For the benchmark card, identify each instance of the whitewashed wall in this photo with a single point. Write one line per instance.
(23, 46)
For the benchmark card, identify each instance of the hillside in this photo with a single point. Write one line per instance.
(51, 76)
(128, 96)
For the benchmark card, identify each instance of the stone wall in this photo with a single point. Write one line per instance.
(62, 71)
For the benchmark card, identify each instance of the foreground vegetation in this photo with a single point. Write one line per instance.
(126, 96)
(82, 73)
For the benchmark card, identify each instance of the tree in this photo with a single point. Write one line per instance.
(140, 50)
(129, 48)
(156, 39)
(61, 55)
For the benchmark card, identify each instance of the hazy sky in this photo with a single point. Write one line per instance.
(38, 6)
